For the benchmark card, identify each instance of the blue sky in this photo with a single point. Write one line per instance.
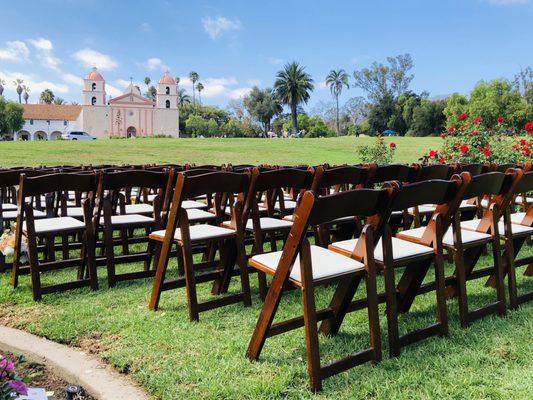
(234, 45)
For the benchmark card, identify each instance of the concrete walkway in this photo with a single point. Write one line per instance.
(76, 367)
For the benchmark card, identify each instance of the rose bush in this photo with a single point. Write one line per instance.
(471, 141)
(380, 153)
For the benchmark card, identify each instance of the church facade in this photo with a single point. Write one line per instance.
(128, 115)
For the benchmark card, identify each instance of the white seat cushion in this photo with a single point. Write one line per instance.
(467, 236)
(8, 206)
(56, 224)
(520, 199)
(140, 208)
(465, 205)
(199, 232)
(401, 249)
(268, 223)
(325, 264)
(151, 197)
(75, 211)
(129, 219)
(516, 229)
(517, 218)
(288, 204)
(424, 209)
(192, 204)
(195, 214)
(13, 214)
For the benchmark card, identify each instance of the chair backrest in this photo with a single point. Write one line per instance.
(51, 183)
(338, 178)
(315, 210)
(392, 172)
(526, 183)
(434, 171)
(473, 169)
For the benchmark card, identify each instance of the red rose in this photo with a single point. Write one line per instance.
(442, 135)
(433, 153)
(473, 133)
(451, 129)
(523, 142)
(500, 120)
(442, 160)
(486, 151)
(529, 127)
(477, 120)
(392, 145)
(515, 147)
(526, 151)
(462, 116)
(464, 148)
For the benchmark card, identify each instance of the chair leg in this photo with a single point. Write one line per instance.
(511, 273)
(161, 264)
(373, 315)
(499, 273)
(110, 255)
(34, 268)
(190, 284)
(91, 262)
(440, 289)
(460, 288)
(392, 312)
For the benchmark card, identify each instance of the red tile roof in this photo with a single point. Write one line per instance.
(51, 112)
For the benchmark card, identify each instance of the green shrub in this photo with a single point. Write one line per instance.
(380, 153)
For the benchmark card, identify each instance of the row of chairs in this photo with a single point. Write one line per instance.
(363, 220)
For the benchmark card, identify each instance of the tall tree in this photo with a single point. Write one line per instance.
(2, 83)
(147, 82)
(59, 101)
(523, 82)
(183, 97)
(199, 87)
(337, 80)
(18, 87)
(25, 93)
(262, 105)
(385, 80)
(11, 117)
(293, 86)
(193, 76)
(47, 96)
(356, 108)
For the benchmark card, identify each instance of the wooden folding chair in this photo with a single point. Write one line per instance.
(112, 215)
(34, 228)
(417, 258)
(229, 239)
(515, 229)
(467, 240)
(305, 267)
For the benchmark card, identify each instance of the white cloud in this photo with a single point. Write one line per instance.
(112, 90)
(45, 53)
(91, 58)
(14, 51)
(215, 27)
(239, 93)
(322, 85)
(155, 63)
(253, 82)
(145, 27)
(35, 85)
(73, 79)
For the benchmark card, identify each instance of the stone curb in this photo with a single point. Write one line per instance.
(76, 367)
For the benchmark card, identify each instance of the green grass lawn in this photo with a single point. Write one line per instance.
(204, 151)
(175, 359)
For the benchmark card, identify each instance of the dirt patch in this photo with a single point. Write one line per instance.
(38, 375)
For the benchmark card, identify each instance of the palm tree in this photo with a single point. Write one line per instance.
(184, 98)
(147, 81)
(293, 86)
(193, 76)
(199, 87)
(25, 94)
(336, 80)
(18, 84)
(47, 96)
(2, 83)
(59, 101)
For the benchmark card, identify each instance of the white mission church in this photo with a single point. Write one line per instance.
(127, 115)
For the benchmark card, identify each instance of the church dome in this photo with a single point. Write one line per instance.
(166, 79)
(94, 75)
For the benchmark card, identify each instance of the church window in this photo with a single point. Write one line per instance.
(167, 104)
(167, 90)
(93, 101)
(93, 86)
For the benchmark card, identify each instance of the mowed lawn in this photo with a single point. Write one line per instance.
(175, 359)
(204, 151)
